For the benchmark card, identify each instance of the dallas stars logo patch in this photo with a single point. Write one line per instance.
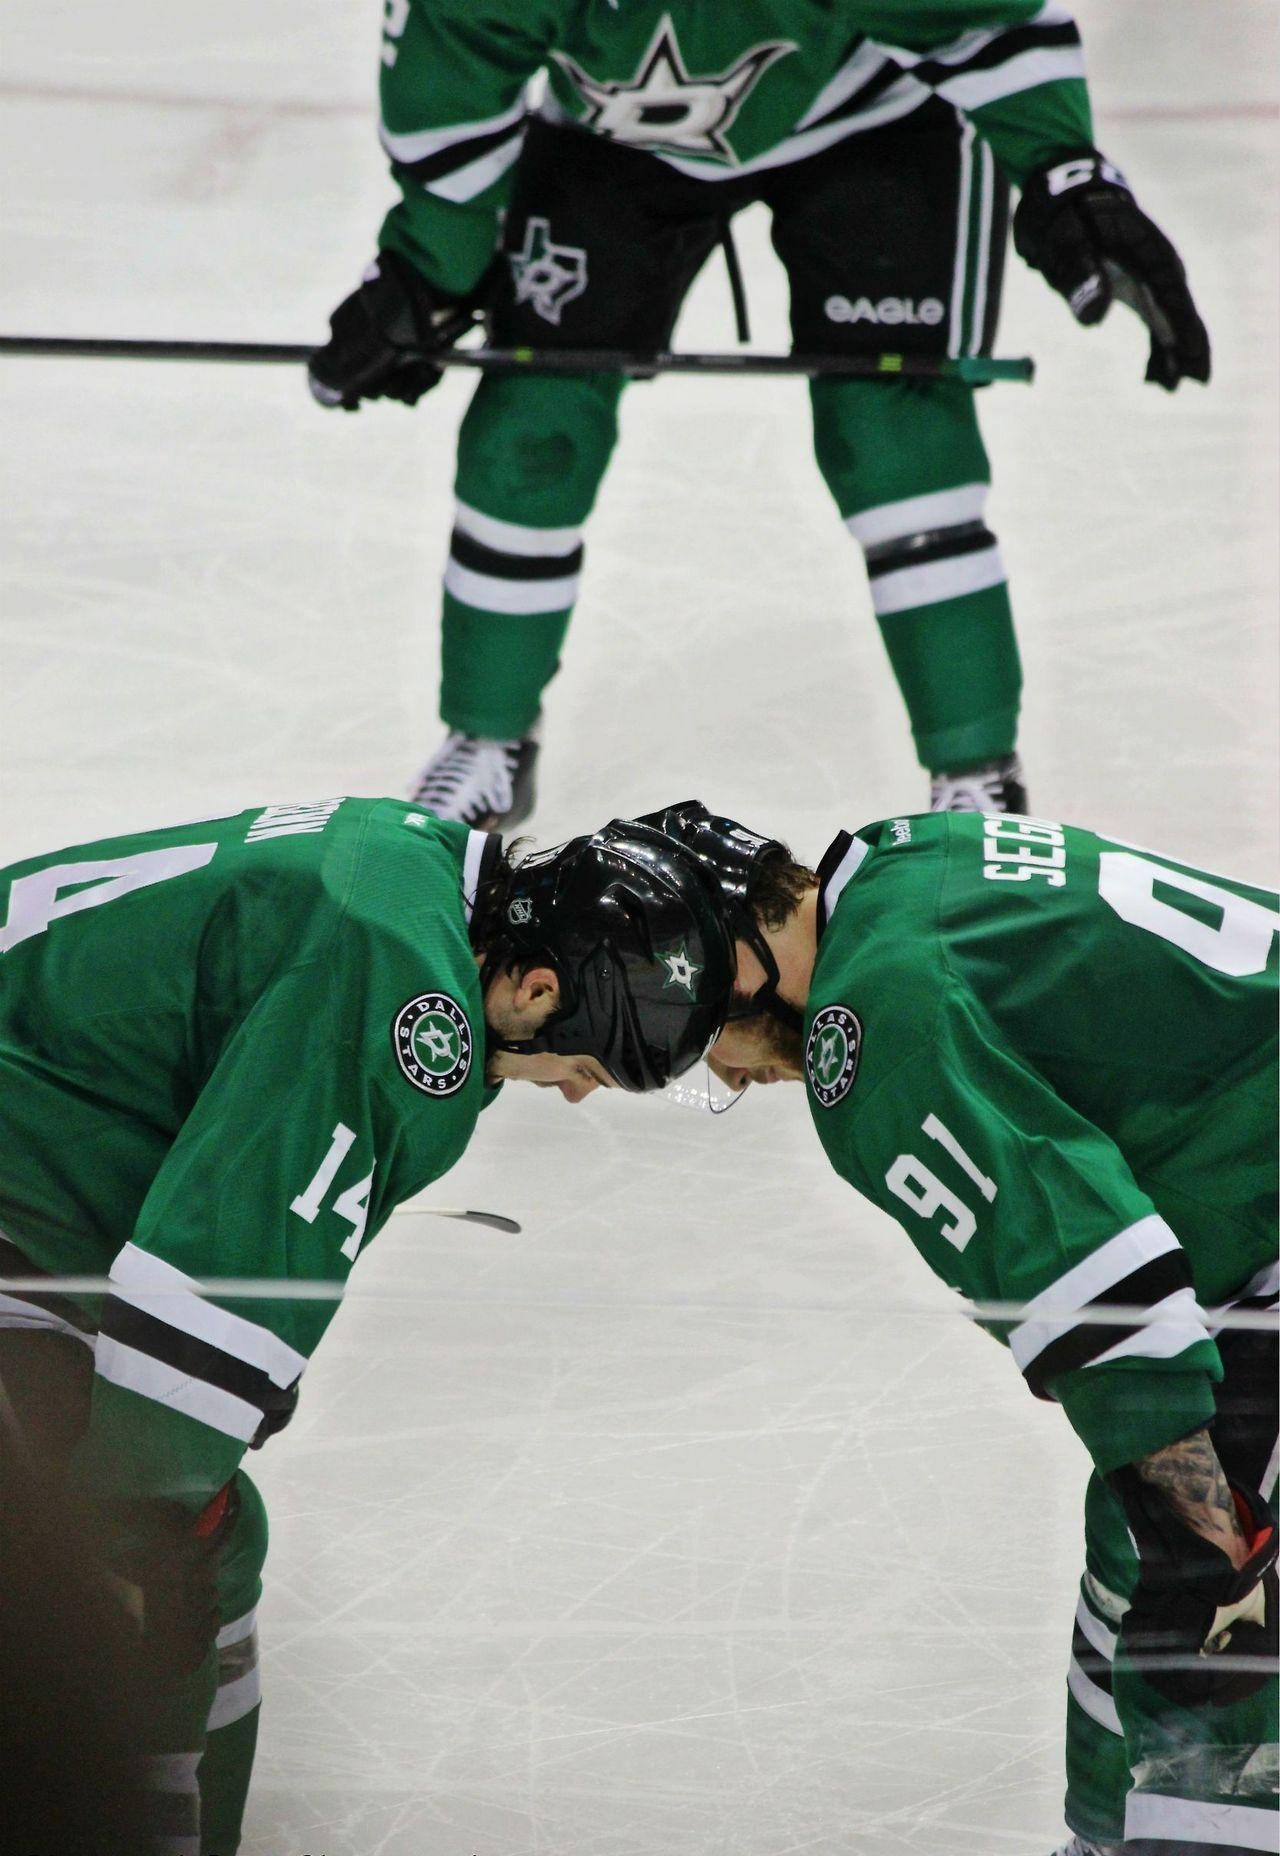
(432, 1042)
(546, 275)
(663, 107)
(831, 1055)
(682, 973)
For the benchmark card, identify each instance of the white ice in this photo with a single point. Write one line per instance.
(695, 1520)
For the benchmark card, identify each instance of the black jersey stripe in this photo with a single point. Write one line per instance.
(940, 544)
(457, 154)
(998, 51)
(1092, 1662)
(1143, 1288)
(468, 552)
(884, 79)
(195, 1358)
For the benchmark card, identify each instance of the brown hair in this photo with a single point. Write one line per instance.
(776, 886)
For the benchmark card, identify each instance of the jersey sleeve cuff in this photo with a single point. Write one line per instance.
(1128, 1410)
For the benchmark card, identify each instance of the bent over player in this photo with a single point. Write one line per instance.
(882, 135)
(230, 1050)
(1052, 1058)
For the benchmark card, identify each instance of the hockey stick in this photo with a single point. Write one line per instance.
(494, 1220)
(974, 370)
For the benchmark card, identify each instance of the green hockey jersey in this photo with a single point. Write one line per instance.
(713, 90)
(1052, 1058)
(227, 1050)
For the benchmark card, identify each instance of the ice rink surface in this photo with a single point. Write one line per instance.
(695, 1520)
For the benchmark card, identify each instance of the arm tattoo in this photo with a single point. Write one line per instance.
(1189, 1477)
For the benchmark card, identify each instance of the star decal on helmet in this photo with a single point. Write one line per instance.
(664, 107)
(682, 973)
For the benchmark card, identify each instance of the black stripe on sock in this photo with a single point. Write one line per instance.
(939, 544)
(1143, 1288)
(468, 552)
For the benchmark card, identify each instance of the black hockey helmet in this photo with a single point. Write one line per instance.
(636, 931)
(731, 853)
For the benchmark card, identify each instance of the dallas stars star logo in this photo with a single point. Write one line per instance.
(832, 1053)
(663, 107)
(832, 1048)
(431, 1038)
(681, 971)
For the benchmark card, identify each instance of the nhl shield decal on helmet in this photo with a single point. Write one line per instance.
(831, 1055)
(431, 1037)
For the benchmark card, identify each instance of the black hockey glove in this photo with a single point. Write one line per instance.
(1078, 225)
(163, 1564)
(1192, 1607)
(381, 336)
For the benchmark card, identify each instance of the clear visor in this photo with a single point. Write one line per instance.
(700, 1088)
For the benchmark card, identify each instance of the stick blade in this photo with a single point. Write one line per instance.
(493, 1220)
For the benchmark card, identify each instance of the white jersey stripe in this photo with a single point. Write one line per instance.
(1046, 64)
(951, 578)
(238, 1629)
(1180, 1326)
(1058, 1308)
(15, 1313)
(491, 593)
(959, 272)
(982, 256)
(1096, 1632)
(514, 537)
(471, 862)
(147, 1282)
(233, 1700)
(867, 60)
(420, 144)
(1197, 1824)
(917, 515)
(177, 1391)
(466, 183)
(846, 868)
(1095, 1701)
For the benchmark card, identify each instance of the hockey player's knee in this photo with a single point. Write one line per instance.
(881, 441)
(920, 550)
(534, 450)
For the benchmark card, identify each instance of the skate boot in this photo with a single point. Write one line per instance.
(483, 783)
(996, 787)
(1085, 1846)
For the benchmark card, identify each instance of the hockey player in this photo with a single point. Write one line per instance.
(1052, 1058)
(229, 1050)
(883, 136)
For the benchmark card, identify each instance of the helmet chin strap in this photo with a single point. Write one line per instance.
(767, 998)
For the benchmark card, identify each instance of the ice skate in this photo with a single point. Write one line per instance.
(996, 787)
(483, 783)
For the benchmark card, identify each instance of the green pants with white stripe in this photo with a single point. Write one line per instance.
(1157, 1779)
(893, 239)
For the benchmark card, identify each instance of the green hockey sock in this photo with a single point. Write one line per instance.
(906, 464)
(531, 453)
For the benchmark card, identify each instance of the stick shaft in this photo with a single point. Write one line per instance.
(974, 369)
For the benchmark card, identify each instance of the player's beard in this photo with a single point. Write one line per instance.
(775, 1043)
